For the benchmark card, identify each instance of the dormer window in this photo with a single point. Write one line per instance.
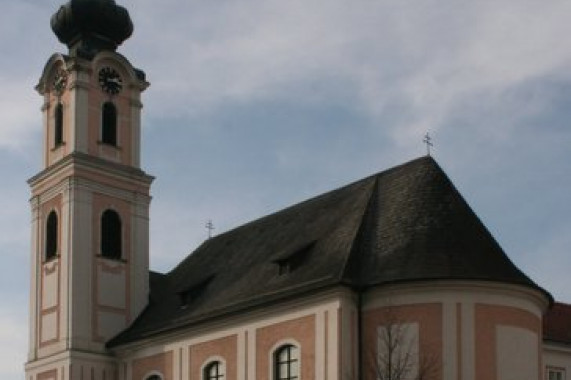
(290, 260)
(284, 267)
(109, 124)
(192, 292)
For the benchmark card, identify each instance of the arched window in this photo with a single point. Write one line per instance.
(109, 124)
(286, 363)
(214, 371)
(51, 236)
(111, 241)
(154, 377)
(58, 125)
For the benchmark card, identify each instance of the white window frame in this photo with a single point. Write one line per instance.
(556, 371)
(211, 360)
(272, 355)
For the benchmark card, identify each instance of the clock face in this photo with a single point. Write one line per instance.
(110, 80)
(60, 81)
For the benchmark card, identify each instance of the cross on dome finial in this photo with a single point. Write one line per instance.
(89, 26)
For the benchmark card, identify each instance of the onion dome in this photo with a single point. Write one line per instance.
(89, 26)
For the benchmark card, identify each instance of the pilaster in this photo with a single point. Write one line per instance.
(79, 107)
(34, 276)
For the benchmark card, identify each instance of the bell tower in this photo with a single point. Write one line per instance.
(90, 203)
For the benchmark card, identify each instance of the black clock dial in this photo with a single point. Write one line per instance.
(60, 81)
(110, 80)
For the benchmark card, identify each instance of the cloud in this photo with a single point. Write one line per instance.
(13, 344)
(18, 121)
(548, 263)
(24, 54)
(408, 66)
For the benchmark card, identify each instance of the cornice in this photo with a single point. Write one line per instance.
(233, 318)
(80, 160)
(536, 296)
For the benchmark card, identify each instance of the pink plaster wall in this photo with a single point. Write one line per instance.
(301, 330)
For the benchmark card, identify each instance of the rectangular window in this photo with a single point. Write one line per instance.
(555, 373)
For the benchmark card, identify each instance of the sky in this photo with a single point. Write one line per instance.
(255, 105)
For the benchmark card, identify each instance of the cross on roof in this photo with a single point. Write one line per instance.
(210, 227)
(428, 141)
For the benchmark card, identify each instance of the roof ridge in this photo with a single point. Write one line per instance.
(353, 258)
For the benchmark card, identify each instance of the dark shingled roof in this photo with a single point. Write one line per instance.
(557, 324)
(408, 223)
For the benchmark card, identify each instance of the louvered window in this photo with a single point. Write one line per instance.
(109, 124)
(111, 241)
(51, 236)
(58, 125)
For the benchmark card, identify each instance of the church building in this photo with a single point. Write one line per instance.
(392, 277)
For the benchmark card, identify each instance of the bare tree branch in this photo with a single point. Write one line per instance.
(399, 354)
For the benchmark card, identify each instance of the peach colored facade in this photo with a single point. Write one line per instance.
(470, 331)
(300, 332)
(428, 317)
(222, 349)
(157, 364)
(461, 327)
(245, 343)
(488, 319)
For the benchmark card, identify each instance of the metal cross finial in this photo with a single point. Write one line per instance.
(428, 141)
(210, 228)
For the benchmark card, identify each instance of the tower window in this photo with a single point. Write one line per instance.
(286, 363)
(111, 241)
(58, 125)
(51, 236)
(109, 124)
